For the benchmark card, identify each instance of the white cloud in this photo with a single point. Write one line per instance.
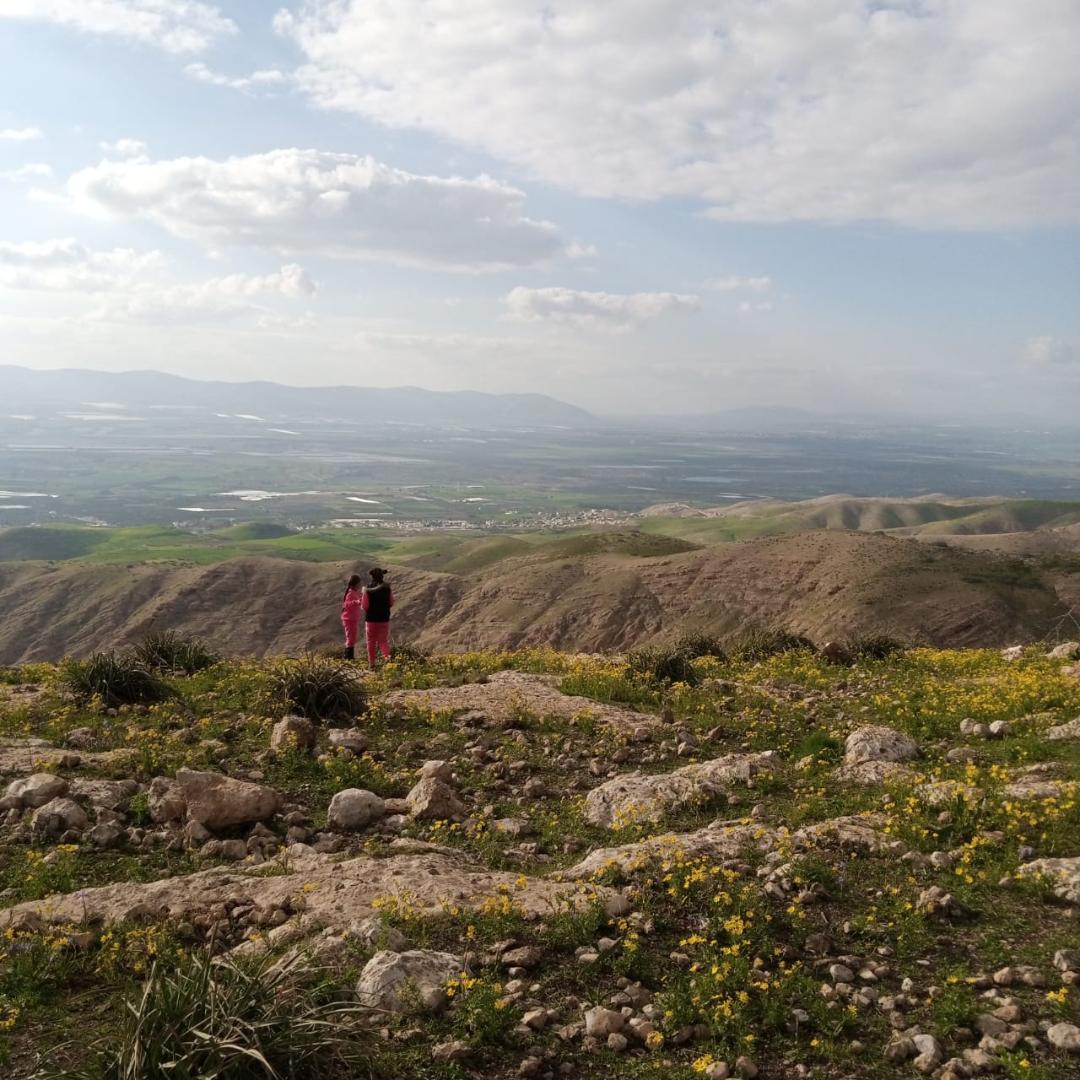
(128, 284)
(65, 265)
(333, 204)
(125, 148)
(177, 26)
(221, 298)
(1047, 351)
(931, 113)
(34, 170)
(610, 311)
(27, 134)
(246, 84)
(738, 284)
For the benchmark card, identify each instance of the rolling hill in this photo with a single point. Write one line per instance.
(824, 584)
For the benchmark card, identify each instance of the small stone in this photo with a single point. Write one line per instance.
(454, 1050)
(536, 1019)
(841, 973)
(601, 1022)
(718, 1070)
(293, 733)
(57, 817)
(617, 1042)
(1000, 728)
(1064, 1037)
(745, 1067)
(36, 790)
(353, 808)
(351, 739)
(900, 1050)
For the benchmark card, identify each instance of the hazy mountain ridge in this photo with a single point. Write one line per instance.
(57, 390)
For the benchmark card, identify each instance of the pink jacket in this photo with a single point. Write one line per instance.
(350, 608)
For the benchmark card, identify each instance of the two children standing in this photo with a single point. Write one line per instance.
(374, 602)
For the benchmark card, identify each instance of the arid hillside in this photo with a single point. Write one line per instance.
(823, 584)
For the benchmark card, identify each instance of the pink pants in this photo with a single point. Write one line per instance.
(352, 631)
(377, 638)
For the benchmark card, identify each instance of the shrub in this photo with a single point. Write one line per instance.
(116, 678)
(697, 645)
(409, 654)
(320, 688)
(225, 1020)
(675, 663)
(873, 646)
(168, 651)
(760, 644)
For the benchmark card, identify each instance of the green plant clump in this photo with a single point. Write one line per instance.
(115, 678)
(168, 651)
(320, 688)
(759, 644)
(223, 1020)
(675, 663)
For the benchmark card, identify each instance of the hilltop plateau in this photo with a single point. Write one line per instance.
(757, 861)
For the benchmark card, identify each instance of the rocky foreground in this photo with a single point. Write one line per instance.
(540, 864)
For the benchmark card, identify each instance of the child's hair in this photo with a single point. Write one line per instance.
(354, 581)
(377, 574)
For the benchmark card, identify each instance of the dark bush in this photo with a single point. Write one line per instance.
(409, 654)
(674, 663)
(116, 678)
(168, 651)
(873, 646)
(320, 688)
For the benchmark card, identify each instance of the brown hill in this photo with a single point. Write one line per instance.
(824, 584)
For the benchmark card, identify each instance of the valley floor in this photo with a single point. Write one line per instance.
(534, 863)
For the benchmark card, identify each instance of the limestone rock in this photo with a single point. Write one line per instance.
(353, 808)
(1068, 730)
(879, 743)
(36, 790)
(57, 816)
(218, 801)
(433, 799)
(402, 982)
(352, 739)
(1067, 650)
(636, 798)
(1064, 1037)
(1063, 876)
(601, 1022)
(293, 733)
(165, 800)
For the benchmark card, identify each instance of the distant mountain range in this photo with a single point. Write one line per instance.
(24, 390)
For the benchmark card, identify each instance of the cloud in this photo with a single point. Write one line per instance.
(27, 134)
(610, 311)
(129, 285)
(738, 284)
(34, 170)
(246, 84)
(1051, 352)
(958, 114)
(177, 26)
(332, 204)
(65, 265)
(220, 298)
(125, 148)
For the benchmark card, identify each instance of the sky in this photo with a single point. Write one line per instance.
(848, 206)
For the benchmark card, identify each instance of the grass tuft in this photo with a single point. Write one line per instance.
(115, 678)
(320, 688)
(168, 651)
(225, 1020)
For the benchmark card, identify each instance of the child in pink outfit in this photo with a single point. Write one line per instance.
(376, 601)
(351, 607)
